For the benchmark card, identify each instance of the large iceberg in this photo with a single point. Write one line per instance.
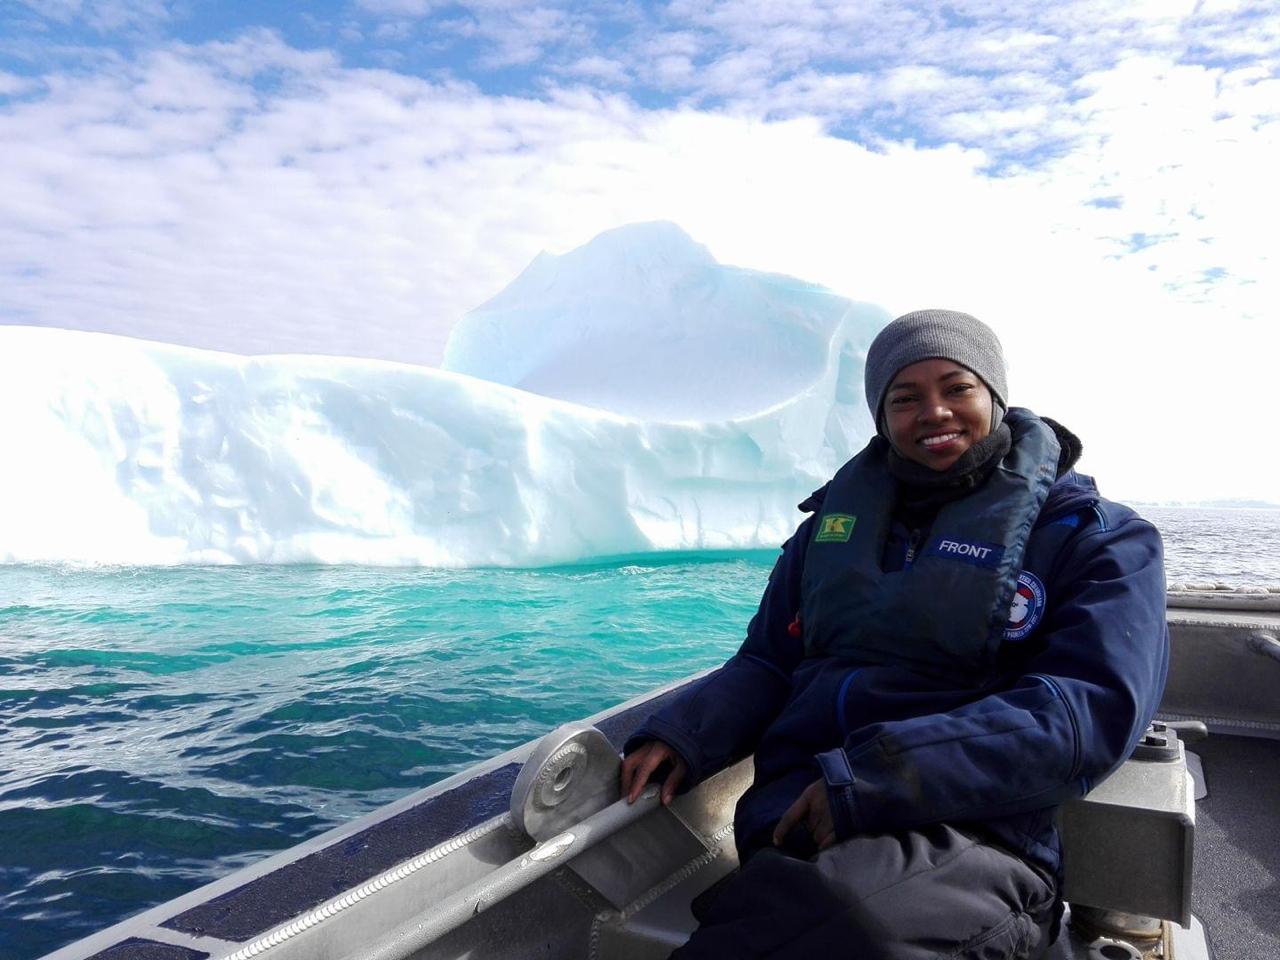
(639, 397)
(643, 321)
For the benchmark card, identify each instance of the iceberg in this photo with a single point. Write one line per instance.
(628, 397)
(643, 321)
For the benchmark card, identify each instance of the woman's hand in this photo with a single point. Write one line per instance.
(639, 765)
(813, 810)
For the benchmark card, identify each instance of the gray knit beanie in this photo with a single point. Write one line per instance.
(926, 334)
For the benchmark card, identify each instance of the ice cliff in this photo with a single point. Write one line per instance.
(629, 396)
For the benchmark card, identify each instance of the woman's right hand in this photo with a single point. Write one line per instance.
(638, 767)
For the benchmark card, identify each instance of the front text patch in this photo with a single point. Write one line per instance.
(1027, 608)
(969, 551)
(835, 528)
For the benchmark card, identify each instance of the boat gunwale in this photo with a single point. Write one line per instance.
(154, 923)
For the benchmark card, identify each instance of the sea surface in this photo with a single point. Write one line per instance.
(160, 727)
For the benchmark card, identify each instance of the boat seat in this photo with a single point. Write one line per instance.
(1127, 845)
(1127, 861)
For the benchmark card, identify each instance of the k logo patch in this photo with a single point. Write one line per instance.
(835, 528)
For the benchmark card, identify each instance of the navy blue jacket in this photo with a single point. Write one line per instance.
(1066, 703)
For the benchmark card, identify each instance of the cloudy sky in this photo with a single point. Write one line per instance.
(1093, 178)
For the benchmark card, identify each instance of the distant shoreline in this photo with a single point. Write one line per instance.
(1206, 504)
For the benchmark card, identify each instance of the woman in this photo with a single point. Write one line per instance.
(961, 636)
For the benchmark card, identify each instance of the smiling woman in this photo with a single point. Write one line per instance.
(936, 411)
(964, 636)
(939, 387)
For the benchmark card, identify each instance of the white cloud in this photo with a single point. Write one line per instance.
(600, 68)
(103, 15)
(741, 75)
(1014, 42)
(513, 33)
(393, 31)
(775, 59)
(12, 85)
(396, 8)
(362, 211)
(519, 35)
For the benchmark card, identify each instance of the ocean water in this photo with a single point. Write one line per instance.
(1237, 547)
(161, 727)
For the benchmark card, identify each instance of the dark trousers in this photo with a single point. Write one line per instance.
(933, 892)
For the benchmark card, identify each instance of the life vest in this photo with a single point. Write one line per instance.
(947, 614)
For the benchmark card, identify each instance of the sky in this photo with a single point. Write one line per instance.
(1092, 178)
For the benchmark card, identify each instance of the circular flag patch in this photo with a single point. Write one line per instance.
(1027, 608)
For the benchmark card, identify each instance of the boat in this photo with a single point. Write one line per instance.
(532, 853)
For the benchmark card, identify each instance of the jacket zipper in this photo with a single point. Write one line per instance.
(913, 543)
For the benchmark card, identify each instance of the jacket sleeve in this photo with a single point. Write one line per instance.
(1076, 712)
(722, 717)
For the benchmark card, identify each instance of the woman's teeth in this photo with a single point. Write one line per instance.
(944, 438)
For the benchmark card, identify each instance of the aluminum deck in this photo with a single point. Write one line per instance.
(1236, 892)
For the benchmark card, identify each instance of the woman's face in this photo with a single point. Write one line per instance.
(935, 410)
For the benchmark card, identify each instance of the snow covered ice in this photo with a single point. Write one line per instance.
(629, 396)
(642, 321)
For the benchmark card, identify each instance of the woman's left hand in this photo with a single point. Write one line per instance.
(814, 811)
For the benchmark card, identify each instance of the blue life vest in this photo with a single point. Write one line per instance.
(946, 615)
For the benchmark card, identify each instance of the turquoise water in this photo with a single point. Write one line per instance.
(161, 727)
(164, 726)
